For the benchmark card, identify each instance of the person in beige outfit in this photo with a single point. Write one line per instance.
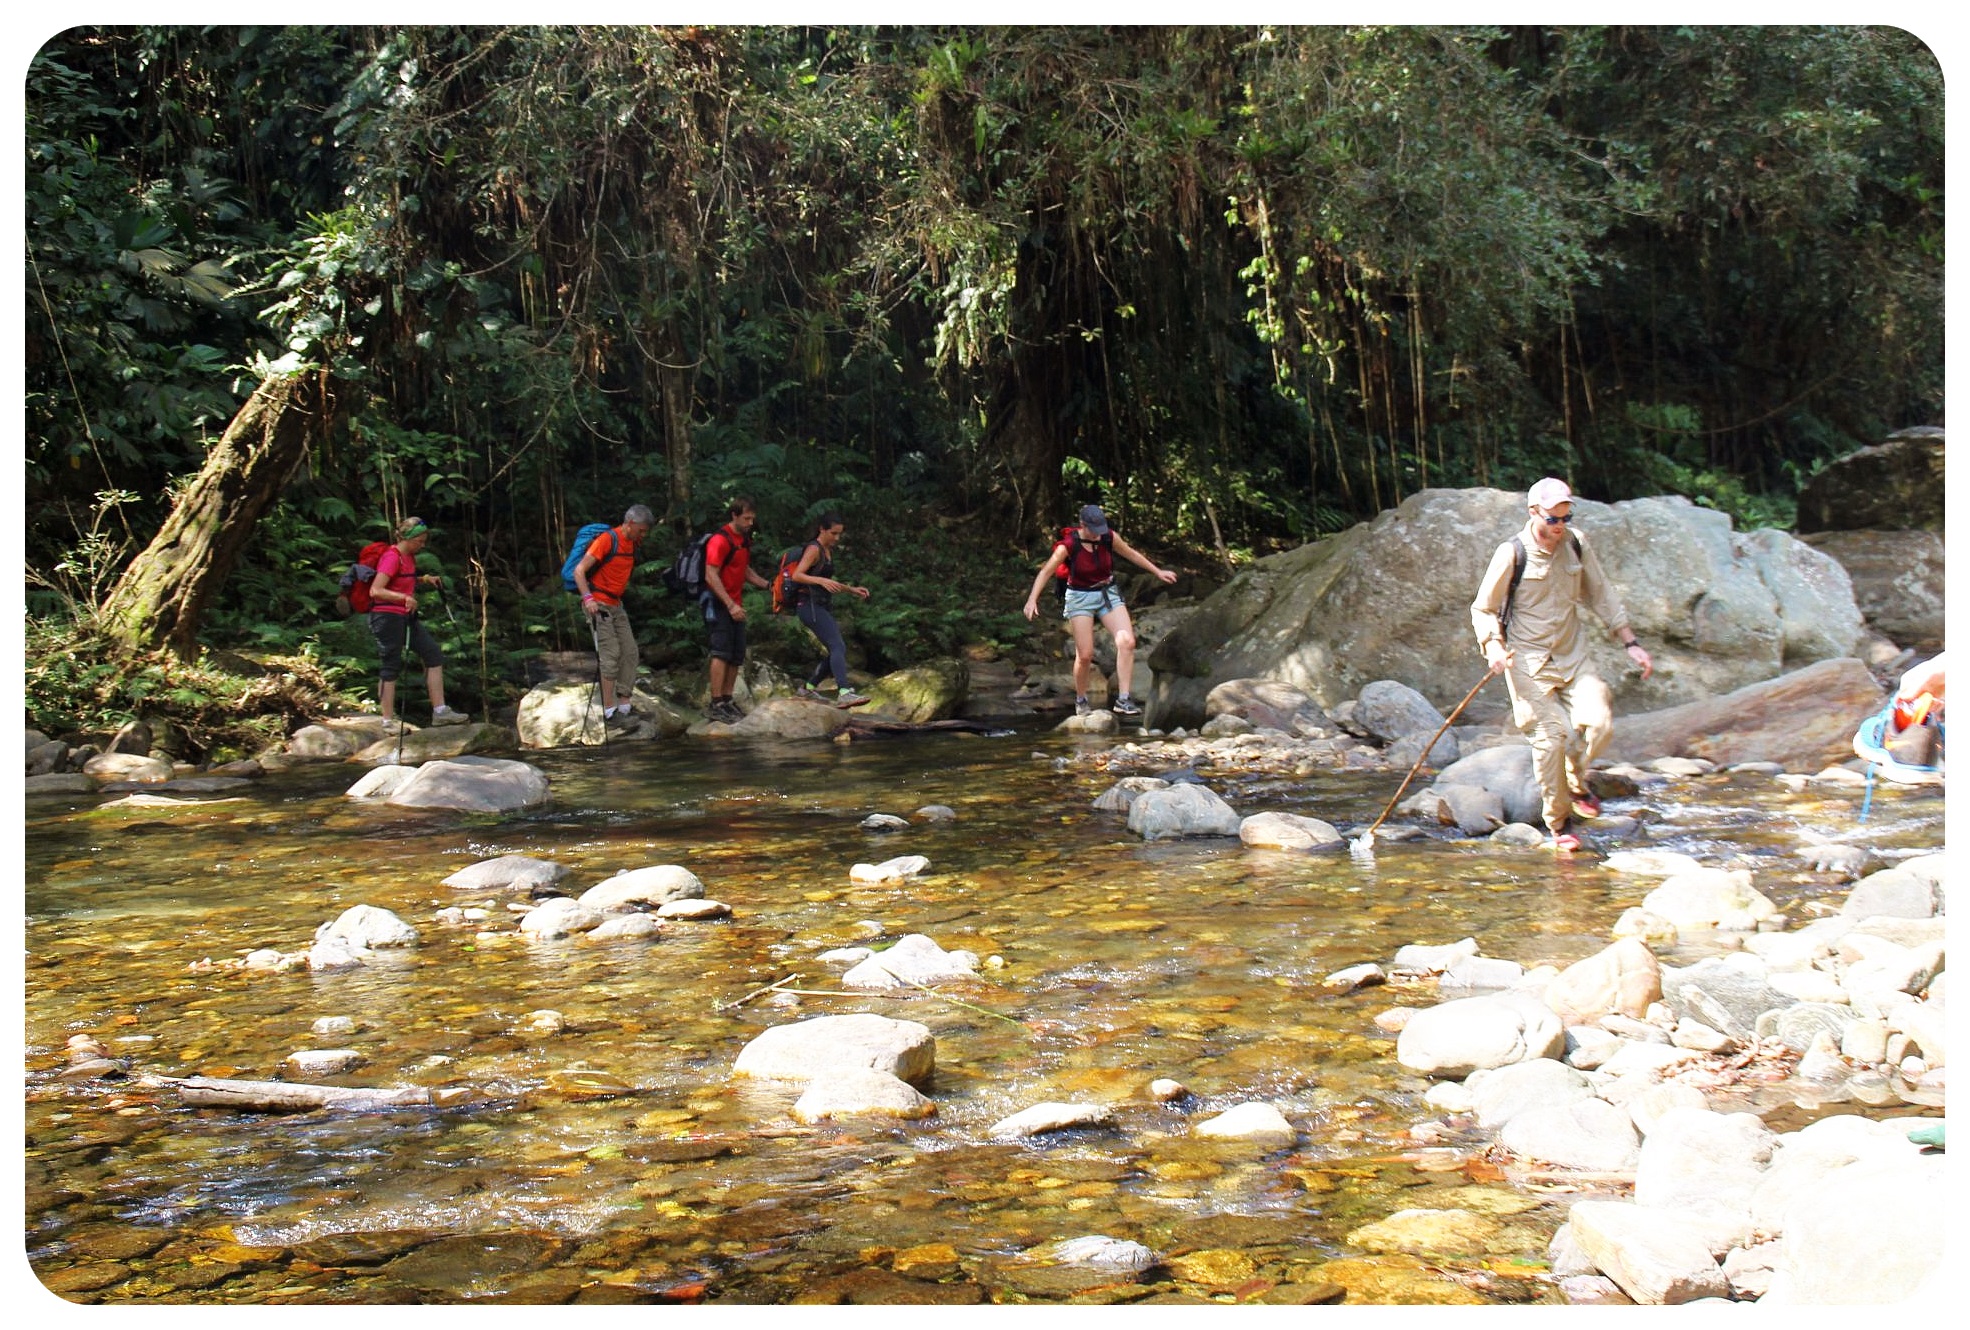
(1531, 634)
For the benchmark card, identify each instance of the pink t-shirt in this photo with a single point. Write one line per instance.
(393, 568)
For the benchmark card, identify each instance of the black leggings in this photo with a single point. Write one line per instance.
(821, 620)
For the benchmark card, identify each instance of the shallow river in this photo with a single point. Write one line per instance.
(1122, 962)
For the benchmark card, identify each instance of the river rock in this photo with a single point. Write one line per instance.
(331, 1027)
(1897, 578)
(1425, 958)
(937, 813)
(127, 766)
(1043, 1118)
(1650, 863)
(1653, 1257)
(915, 959)
(899, 869)
(1588, 1046)
(1583, 1133)
(564, 713)
(558, 916)
(932, 690)
(46, 757)
(1095, 1251)
(368, 928)
(1227, 726)
(1479, 974)
(1706, 1166)
(860, 1092)
(438, 742)
(1802, 720)
(1255, 1121)
(1389, 710)
(314, 1063)
(1896, 485)
(1650, 1106)
(1353, 977)
(1892, 891)
(1710, 898)
(1651, 930)
(1334, 615)
(1117, 797)
(694, 909)
(515, 872)
(60, 782)
(806, 1049)
(1181, 810)
(1407, 751)
(1624, 977)
(1423, 1232)
(1461, 1036)
(1268, 704)
(1472, 809)
(1505, 770)
(1869, 1235)
(642, 888)
(789, 718)
(471, 784)
(1288, 831)
(334, 953)
(1725, 993)
(1499, 1094)
(884, 822)
(1095, 722)
(627, 927)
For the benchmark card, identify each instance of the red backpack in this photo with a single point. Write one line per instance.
(784, 587)
(1101, 559)
(354, 596)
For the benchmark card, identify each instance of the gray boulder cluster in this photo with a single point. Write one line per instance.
(126, 762)
(1619, 1068)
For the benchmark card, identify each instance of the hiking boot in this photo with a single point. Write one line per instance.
(809, 693)
(848, 697)
(1125, 706)
(1081, 707)
(624, 719)
(1584, 804)
(446, 716)
(722, 711)
(1564, 842)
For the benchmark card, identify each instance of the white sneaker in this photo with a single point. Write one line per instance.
(446, 716)
(848, 697)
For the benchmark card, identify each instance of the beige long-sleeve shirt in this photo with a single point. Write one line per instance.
(1545, 636)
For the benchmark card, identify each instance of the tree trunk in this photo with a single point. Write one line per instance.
(162, 595)
(676, 392)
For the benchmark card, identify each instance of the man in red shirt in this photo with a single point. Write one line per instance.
(728, 569)
(601, 577)
(393, 619)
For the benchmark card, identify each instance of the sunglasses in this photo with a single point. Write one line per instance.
(1557, 521)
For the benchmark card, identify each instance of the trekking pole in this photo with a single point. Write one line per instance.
(1364, 844)
(594, 637)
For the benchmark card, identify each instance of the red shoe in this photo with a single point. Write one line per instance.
(1565, 843)
(1585, 804)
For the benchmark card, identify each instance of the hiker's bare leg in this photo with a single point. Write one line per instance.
(386, 699)
(608, 693)
(434, 681)
(723, 674)
(1122, 629)
(1082, 626)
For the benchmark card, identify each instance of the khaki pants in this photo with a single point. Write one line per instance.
(1569, 726)
(616, 646)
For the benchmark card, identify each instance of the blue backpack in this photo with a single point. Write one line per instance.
(583, 539)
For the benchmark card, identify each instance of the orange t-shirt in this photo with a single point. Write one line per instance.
(609, 580)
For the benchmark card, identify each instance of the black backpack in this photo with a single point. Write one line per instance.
(1518, 575)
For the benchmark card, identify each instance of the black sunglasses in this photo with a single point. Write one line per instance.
(1557, 521)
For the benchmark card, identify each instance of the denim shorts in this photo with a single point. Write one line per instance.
(1092, 603)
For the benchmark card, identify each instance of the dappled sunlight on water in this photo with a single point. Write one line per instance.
(1120, 962)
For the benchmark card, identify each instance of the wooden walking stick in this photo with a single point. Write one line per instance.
(1364, 844)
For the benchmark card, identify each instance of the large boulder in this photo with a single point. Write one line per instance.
(933, 690)
(1502, 769)
(473, 784)
(1390, 599)
(1894, 486)
(1183, 809)
(127, 767)
(1268, 704)
(337, 737)
(438, 741)
(806, 1049)
(791, 718)
(1802, 721)
(565, 713)
(1897, 578)
(1455, 1038)
(644, 888)
(1389, 710)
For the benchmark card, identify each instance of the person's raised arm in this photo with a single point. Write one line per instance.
(1134, 556)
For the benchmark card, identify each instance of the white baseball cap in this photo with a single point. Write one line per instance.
(1549, 493)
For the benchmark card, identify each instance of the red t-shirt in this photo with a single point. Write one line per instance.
(393, 568)
(730, 553)
(609, 580)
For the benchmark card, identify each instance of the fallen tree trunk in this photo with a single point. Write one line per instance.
(289, 1097)
(162, 595)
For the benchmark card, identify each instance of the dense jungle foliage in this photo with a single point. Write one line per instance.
(1244, 286)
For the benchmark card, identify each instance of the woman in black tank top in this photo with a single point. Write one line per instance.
(814, 592)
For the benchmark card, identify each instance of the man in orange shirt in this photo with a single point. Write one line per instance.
(728, 569)
(601, 577)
